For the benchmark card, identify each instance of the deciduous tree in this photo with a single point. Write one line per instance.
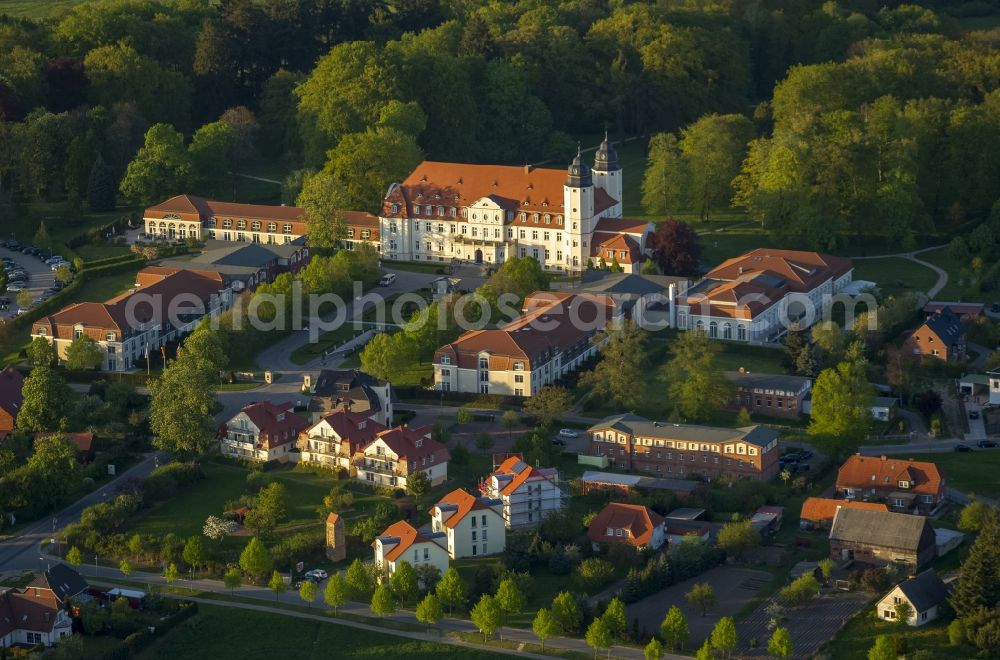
(724, 637)
(674, 628)
(255, 560)
(566, 612)
(737, 538)
(46, 402)
(544, 626)
(695, 382)
(615, 376)
(549, 403)
(701, 596)
(359, 580)
(842, 405)
(232, 579)
(276, 583)
(663, 181)
(161, 168)
(676, 248)
(780, 644)
(429, 610)
(404, 583)
(598, 636)
(486, 615)
(83, 353)
(337, 592)
(307, 591)
(451, 590)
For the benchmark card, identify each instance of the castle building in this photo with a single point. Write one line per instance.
(486, 214)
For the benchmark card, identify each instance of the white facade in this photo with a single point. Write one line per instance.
(243, 441)
(174, 227)
(419, 553)
(526, 501)
(886, 609)
(479, 532)
(380, 465)
(994, 388)
(323, 445)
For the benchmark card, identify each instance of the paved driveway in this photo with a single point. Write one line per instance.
(977, 429)
(40, 277)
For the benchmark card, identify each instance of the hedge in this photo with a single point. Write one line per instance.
(97, 263)
(56, 302)
(137, 641)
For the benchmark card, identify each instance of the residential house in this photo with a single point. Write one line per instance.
(361, 228)
(677, 530)
(188, 216)
(925, 593)
(349, 389)
(262, 431)
(880, 538)
(39, 613)
(335, 439)
(474, 526)
(398, 453)
(629, 525)
(757, 296)
(686, 450)
(818, 512)
(84, 442)
(11, 383)
(529, 494)
(566, 219)
(551, 339)
(767, 519)
(774, 395)
(165, 305)
(906, 486)
(244, 265)
(942, 336)
(401, 541)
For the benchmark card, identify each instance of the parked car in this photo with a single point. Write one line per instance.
(973, 414)
(298, 583)
(317, 573)
(558, 441)
(987, 444)
(387, 279)
(567, 433)
(962, 448)
(15, 287)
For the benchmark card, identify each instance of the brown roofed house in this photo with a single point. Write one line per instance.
(190, 216)
(263, 431)
(880, 538)
(942, 336)
(818, 512)
(84, 442)
(474, 525)
(401, 541)
(906, 486)
(529, 494)
(627, 524)
(398, 453)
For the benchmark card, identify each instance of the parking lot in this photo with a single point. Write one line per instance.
(40, 278)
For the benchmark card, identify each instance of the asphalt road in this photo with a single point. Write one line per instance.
(40, 277)
(21, 552)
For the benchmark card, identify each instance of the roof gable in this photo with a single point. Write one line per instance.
(876, 528)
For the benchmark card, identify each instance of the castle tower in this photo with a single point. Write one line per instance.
(607, 174)
(336, 544)
(578, 204)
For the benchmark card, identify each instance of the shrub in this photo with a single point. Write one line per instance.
(595, 573)
(799, 592)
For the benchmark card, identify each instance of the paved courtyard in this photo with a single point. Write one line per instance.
(734, 588)
(810, 626)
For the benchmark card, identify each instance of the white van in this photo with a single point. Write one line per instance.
(387, 279)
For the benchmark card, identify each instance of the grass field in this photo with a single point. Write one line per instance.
(854, 640)
(93, 252)
(954, 290)
(35, 8)
(219, 632)
(895, 275)
(972, 473)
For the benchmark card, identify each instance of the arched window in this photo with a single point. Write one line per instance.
(700, 325)
(713, 329)
(727, 331)
(741, 332)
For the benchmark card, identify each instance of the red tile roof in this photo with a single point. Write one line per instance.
(623, 226)
(880, 472)
(615, 247)
(465, 502)
(34, 609)
(354, 428)
(191, 207)
(277, 425)
(407, 535)
(414, 446)
(11, 384)
(530, 337)
(803, 271)
(119, 313)
(822, 509)
(639, 520)
(521, 471)
(84, 441)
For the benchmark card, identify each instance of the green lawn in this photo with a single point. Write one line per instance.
(973, 472)
(95, 251)
(312, 350)
(185, 514)
(954, 290)
(895, 275)
(854, 640)
(35, 8)
(220, 632)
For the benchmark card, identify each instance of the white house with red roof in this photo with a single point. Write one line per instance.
(529, 494)
(189, 216)
(756, 297)
(488, 213)
(262, 431)
(397, 453)
(473, 525)
(551, 339)
(401, 541)
(334, 440)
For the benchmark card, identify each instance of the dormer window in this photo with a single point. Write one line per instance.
(610, 532)
(394, 208)
(904, 484)
(445, 359)
(618, 532)
(419, 442)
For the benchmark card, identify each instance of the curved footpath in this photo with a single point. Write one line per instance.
(942, 280)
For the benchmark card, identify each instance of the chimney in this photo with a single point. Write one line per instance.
(882, 457)
(528, 168)
(743, 370)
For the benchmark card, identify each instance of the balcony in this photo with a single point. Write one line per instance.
(380, 467)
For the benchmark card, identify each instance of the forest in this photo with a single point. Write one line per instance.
(823, 121)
